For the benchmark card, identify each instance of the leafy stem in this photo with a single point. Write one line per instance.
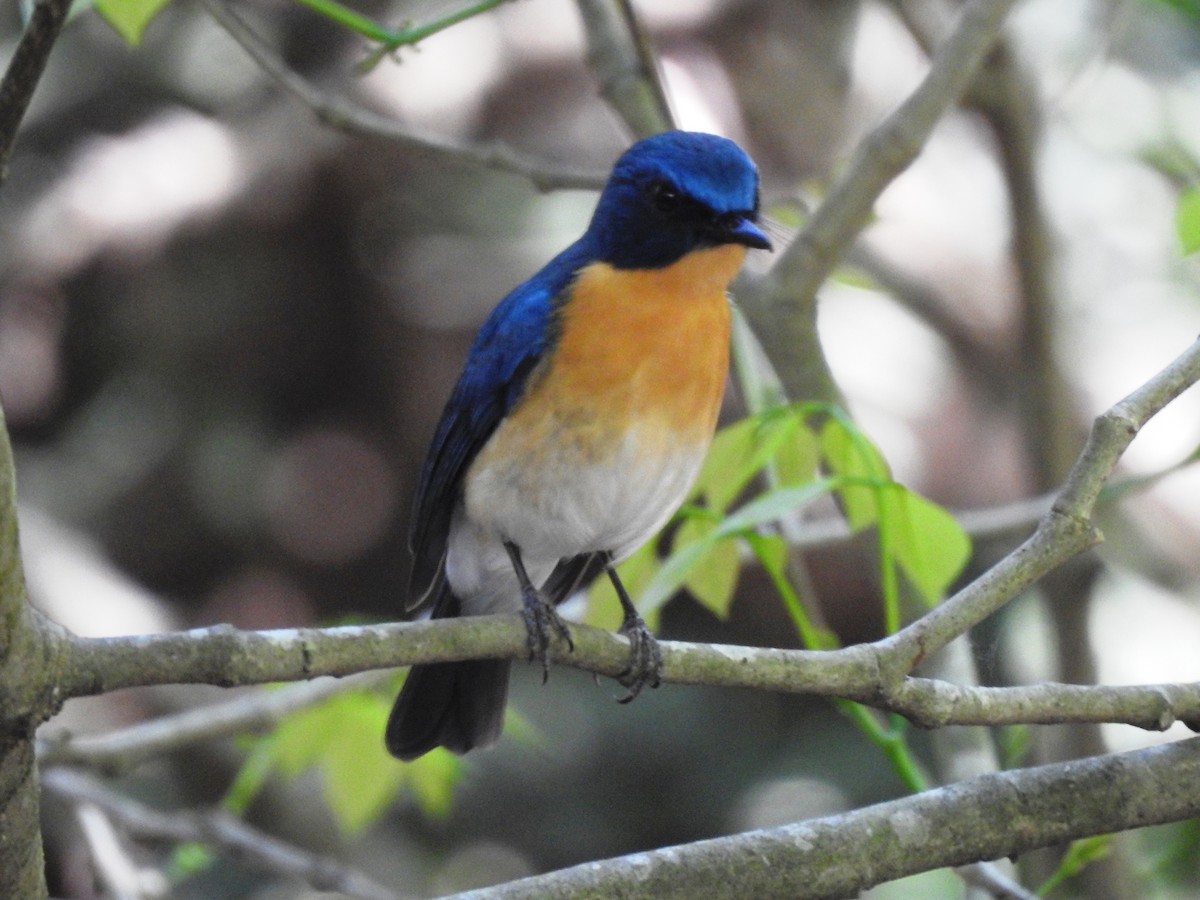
(389, 41)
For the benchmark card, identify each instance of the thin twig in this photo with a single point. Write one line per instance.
(25, 71)
(352, 118)
(1064, 532)
(119, 876)
(987, 876)
(216, 829)
(120, 750)
(989, 368)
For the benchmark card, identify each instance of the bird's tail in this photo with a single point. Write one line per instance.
(461, 705)
(456, 705)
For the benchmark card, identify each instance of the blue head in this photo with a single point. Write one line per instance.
(674, 193)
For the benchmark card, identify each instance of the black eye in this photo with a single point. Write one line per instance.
(664, 197)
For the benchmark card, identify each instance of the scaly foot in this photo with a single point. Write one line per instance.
(540, 617)
(645, 659)
(541, 621)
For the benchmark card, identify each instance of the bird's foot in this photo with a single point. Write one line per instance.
(541, 622)
(645, 659)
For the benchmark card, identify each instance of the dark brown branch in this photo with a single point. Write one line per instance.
(25, 71)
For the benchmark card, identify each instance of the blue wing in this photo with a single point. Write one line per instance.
(509, 345)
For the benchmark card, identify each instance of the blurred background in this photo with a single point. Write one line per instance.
(226, 334)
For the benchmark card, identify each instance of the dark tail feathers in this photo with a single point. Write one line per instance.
(453, 705)
(460, 705)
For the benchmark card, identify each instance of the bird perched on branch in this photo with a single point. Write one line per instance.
(581, 418)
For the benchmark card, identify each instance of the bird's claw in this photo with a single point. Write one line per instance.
(540, 621)
(645, 659)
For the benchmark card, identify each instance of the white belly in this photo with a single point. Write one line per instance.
(559, 503)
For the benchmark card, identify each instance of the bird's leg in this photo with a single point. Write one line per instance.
(645, 657)
(540, 617)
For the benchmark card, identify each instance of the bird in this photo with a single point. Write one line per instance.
(583, 413)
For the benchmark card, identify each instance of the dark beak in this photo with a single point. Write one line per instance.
(741, 230)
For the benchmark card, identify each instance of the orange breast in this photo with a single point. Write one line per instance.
(645, 347)
(643, 351)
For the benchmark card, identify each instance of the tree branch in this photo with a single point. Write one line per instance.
(619, 55)
(1065, 531)
(25, 71)
(219, 830)
(27, 697)
(227, 657)
(989, 817)
(989, 878)
(352, 118)
(22, 645)
(117, 875)
(876, 674)
(781, 305)
(117, 751)
(988, 367)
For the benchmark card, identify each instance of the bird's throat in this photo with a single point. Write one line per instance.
(649, 345)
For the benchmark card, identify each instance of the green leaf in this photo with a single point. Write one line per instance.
(190, 859)
(672, 573)
(728, 466)
(771, 551)
(1189, 9)
(360, 778)
(251, 777)
(774, 504)
(916, 535)
(769, 507)
(342, 740)
(1187, 220)
(302, 737)
(741, 450)
(1081, 854)
(929, 545)
(1086, 851)
(129, 18)
(1015, 742)
(713, 579)
(848, 453)
(796, 460)
(432, 780)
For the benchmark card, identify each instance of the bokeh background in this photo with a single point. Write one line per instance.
(226, 333)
